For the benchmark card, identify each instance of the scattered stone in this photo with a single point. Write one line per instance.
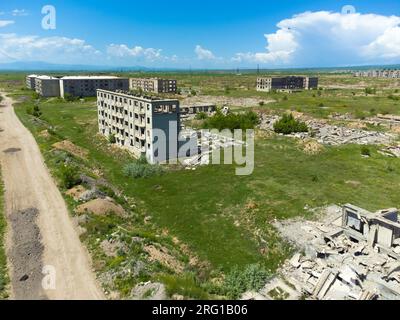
(149, 291)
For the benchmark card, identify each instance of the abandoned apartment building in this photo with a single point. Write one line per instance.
(156, 85)
(76, 86)
(351, 254)
(385, 73)
(131, 119)
(286, 84)
(47, 86)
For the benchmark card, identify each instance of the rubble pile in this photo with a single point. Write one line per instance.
(329, 134)
(353, 256)
(205, 143)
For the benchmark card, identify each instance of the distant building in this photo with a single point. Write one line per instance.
(289, 84)
(47, 86)
(30, 81)
(132, 119)
(86, 86)
(386, 73)
(154, 85)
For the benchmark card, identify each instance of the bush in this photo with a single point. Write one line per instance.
(288, 124)
(232, 121)
(370, 91)
(111, 139)
(253, 277)
(365, 151)
(36, 111)
(201, 116)
(193, 92)
(69, 97)
(69, 176)
(142, 169)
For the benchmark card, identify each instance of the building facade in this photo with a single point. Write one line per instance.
(47, 86)
(30, 81)
(154, 85)
(386, 73)
(132, 119)
(289, 84)
(86, 86)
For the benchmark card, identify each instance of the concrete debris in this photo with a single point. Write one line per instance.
(328, 134)
(352, 254)
(205, 143)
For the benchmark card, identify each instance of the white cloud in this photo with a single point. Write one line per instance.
(328, 38)
(4, 23)
(204, 54)
(137, 52)
(19, 13)
(48, 49)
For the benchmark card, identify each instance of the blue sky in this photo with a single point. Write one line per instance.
(204, 34)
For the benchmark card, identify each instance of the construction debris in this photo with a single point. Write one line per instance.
(206, 143)
(328, 134)
(353, 254)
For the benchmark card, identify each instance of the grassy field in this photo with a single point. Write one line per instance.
(223, 218)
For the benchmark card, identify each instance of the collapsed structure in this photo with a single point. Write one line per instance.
(329, 134)
(132, 119)
(385, 73)
(354, 254)
(287, 84)
(156, 85)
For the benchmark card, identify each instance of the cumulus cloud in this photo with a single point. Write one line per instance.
(204, 54)
(19, 13)
(49, 49)
(137, 52)
(328, 38)
(4, 23)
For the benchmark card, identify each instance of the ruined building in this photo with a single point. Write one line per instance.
(287, 84)
(132, 119)
(154, 85)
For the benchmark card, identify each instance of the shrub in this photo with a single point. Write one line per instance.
(142, 169)
(201, 116)
(365, 151)
(232, 121)
(69, 176)
(370, 91)
(111, 139)
(193, 92)
(288, 124)
(238, 281)
(69, 97)
(36, 111)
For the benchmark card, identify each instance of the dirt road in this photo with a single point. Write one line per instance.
(41, 239)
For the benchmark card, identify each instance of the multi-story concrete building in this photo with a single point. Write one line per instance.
(154, 85)
(30, 81)
(132, 119)
(47, 86)
(86, 86)
(386, 73)
(289, 84)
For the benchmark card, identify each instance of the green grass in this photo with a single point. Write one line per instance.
(208, 209)
(3, 259)
(202, 206)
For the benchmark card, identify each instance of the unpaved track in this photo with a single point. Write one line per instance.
(29, 186)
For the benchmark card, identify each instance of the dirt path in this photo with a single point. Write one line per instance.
(41, 236)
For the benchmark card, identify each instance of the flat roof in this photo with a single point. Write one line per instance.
(47, 78)
(90, 77)
(132, 96)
